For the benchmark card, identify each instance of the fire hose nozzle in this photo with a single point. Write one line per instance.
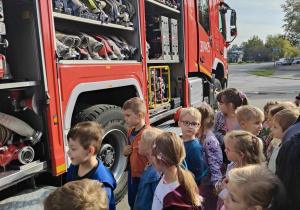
(36, 137)
(26, 155)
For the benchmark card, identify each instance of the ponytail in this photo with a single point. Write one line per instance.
(186, 180)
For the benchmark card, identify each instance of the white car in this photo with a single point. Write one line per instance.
(296, 60)
(284, 61)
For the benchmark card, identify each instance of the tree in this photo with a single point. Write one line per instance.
(260, 53)
(254, 41)
(283, 47)
(292, 20)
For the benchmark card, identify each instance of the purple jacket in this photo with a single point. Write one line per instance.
(212, 156)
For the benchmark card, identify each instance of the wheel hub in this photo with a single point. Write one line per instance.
(107, 155)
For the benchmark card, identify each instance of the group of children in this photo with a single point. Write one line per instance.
(218, 163)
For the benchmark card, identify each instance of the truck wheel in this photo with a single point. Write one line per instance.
(218, 88)
(112, 121)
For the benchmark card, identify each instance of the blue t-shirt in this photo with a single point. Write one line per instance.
(193, 160)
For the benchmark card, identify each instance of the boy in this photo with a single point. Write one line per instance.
(150, 177)
(250, 119)
(84, 141)
(134, 111)
(189, 122)
(282, 120)
(81, 194)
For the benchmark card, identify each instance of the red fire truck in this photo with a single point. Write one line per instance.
(67, 61)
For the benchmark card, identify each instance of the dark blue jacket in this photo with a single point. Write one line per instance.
(193, 160)
(147, 186)
(102, 174)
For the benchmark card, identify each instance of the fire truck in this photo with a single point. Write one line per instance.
(68, 61)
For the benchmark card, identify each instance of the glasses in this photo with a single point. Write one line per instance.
(192, 124)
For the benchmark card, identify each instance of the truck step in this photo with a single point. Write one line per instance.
(170, 126)
(11, 177)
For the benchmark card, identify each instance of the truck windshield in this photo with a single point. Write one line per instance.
(222, 24)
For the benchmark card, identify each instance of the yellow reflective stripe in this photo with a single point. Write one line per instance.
(204, 70)
(61, 168)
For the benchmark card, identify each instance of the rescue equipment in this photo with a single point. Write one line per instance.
(159, 86)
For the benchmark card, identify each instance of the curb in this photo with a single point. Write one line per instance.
(284, 77)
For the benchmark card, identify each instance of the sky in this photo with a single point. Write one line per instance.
(257, 17)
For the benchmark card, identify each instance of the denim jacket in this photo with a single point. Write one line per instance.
(147, 186)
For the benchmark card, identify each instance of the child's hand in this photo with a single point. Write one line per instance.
(127, 150)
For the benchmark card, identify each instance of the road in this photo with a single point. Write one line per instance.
(282, 86)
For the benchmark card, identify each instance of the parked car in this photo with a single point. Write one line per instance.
(296, 60)
(285, 61)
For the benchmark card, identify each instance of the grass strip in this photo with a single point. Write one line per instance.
(262, 72)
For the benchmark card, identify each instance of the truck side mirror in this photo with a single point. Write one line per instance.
(233, 29)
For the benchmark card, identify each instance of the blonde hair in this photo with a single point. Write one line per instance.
(78, 195)
(207, 118)
(137, 105)
(285, 118)
(259, 186)
(88, 134)
(192, 111)
(171, 149)
(248, 112)
(247, 144)
(149, 135)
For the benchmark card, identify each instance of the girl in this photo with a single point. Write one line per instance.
(177, 188)
(225, 120)
(241, 148)
(212, 156)
(254, 187)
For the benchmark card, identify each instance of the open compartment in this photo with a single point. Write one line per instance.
(23, 128)
(82, 38)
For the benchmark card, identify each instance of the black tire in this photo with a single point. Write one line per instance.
(112, 120)
(218, 88)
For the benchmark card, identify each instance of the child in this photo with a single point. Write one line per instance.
(266, 128)
(212, 156)
(81, 194)
(84, 141)
(282, 120)
(280, 106)
(254, 187)
(250, 119)
(150, 177)
(177, 188)
(241, 148)
(225, 120)
(134, 111)
(189, 122)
